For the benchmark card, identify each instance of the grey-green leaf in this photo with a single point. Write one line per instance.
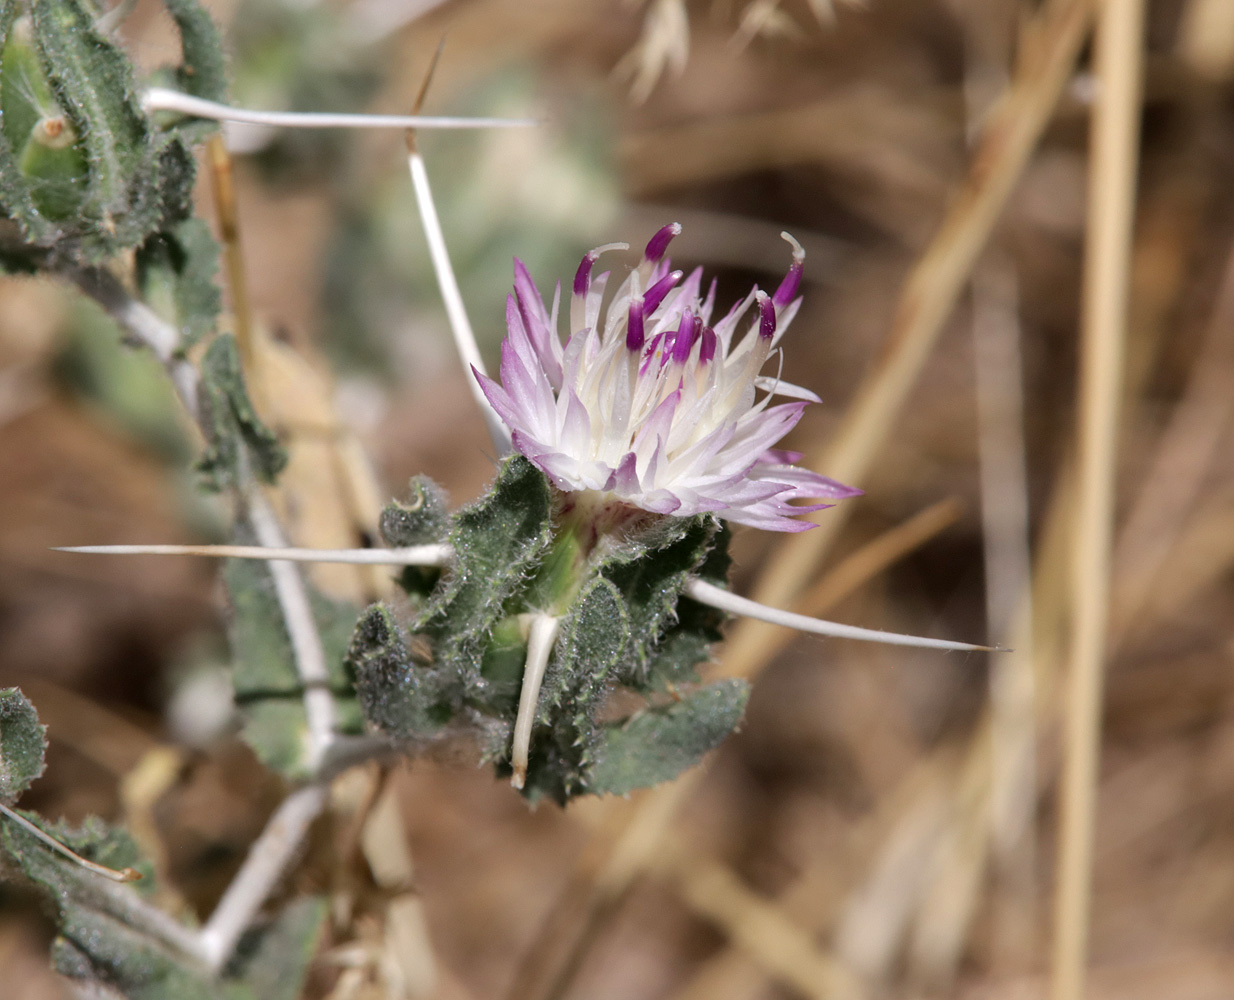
(111, 940)
(394, 692)
(175, 275)
(658, 744)
(268, 687)
(272, 961)
(232, 424)
(23, 742)
(498, 542)
(93, 82)
(421, 519)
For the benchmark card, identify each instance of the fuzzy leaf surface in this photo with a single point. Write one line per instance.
(23, 741)
(107, 939)
(389, 685)
(498, 542)
(232, 424)
(658, 744)
(650, 571)
(595, 639)
(175, 275)
(267, 686)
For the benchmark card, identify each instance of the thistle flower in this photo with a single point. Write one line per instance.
(649, 403)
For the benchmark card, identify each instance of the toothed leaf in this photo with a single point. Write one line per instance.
(498, 542)
(394, 692)
(107, 939)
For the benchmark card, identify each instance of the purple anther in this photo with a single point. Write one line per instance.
(634, 329)
(766, 317)
(659, 243)
(708, 349)
(687, 334)
(582, 277)
(788, 287)
(655, 294)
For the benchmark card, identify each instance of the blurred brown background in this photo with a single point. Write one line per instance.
(884, 824)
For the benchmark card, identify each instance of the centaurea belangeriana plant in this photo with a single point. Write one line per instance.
(597, 559)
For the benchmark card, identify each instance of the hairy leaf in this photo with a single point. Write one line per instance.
(23, 742)
(498, 543)
(650, 572)
(658, 744)
(175, 275)
(232, 426)
(421, 519)
(393, 690)
(111, 940)
(267, 685)
(595, 638)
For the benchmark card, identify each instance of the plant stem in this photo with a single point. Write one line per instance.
(306, 647)
(145, 326)
(1112, 180)
(266, 862)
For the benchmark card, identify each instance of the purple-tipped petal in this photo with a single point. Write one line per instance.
(792, 281)
(681, 436)
(788, 287)
(658, 244)
(707, 351)
(582, 277)
(634, 329)
(766, 317)
(655, 294)
(687, 331)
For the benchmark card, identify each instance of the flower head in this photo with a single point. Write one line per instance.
(651, 402)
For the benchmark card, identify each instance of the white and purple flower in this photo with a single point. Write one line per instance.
(648, 402)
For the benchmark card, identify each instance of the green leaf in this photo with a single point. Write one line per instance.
(421, 519)
(93, 81)
(106, 940)
(271, 962)
(175, 275)
(23, 742)
(650, 572)
(203, 72)
(658, 744)
(498, 543)
(267, 685)
(232, 425)
(102, 939)
(394, 691)
(83, 171)
(25, 98)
